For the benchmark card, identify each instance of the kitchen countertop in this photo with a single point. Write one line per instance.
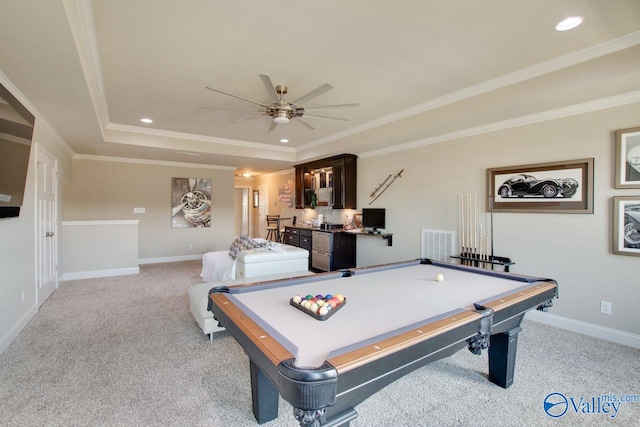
(387, 236)
(326, 230)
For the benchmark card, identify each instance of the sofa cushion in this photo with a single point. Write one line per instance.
(243, 243)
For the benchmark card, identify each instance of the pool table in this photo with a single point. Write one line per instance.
(397, 318)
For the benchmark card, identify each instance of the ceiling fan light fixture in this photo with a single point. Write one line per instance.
(281, 117)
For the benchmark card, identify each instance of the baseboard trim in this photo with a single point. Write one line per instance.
(15, 330)
(596, 331)
(160, 260)
(100, 273)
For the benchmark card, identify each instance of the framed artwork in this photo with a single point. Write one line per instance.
(555, 187)
(628, 158)
(190, 203)
(357, 220)
(626, 225)
(285, 194)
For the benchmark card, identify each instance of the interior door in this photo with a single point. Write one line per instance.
(241, 209)
(46, 226)
(263, 196)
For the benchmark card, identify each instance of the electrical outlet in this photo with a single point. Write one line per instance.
(605, 307)
(190, 247)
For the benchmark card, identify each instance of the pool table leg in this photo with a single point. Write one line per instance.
(502, 357)
(264, 395)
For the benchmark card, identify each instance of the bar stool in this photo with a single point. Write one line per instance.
(273, 233)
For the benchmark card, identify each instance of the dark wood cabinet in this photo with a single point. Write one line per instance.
(341, 254)
(343, 181)
(300, 237)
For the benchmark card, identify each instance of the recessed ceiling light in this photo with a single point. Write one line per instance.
(569, 23)
(146, 120)
(246, 174)
(284, 140)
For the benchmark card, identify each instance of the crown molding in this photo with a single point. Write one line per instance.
(573, 110)
(80, 16)
(590, 53)
(152, 162)
(195, 137)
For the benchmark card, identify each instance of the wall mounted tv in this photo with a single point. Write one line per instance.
(16, 131)
(373, 219)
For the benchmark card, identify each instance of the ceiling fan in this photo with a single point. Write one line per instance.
(280, 109)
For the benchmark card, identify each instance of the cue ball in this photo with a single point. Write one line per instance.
(439, 277)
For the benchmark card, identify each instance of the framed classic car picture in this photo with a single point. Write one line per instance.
(626, 225)
(556, 187)
(628, 158)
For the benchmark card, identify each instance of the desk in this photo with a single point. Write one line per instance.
(397, 319)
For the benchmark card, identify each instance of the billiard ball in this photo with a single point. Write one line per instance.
(439, 277)
(322, 311)
(297, 299)
(340, 297)
(313, 307)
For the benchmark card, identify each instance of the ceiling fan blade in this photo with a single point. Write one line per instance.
(304, 123)
(238, 109)
(239, 97)
(244, 120)
(326, 117)
(273, 126)
(266, 81)
(314, 93)
(332, 106)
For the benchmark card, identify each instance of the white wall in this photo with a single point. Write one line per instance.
(574, 249)
(99, 248)
(17, 243)
(106, 190)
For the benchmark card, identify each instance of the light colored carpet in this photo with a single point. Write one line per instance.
(125, 351)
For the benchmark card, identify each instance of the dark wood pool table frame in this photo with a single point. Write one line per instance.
(328, 395)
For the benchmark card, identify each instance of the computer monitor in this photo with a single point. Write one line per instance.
(373, 219)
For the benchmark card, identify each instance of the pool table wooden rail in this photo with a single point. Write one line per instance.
(361, 356)
(262, 340)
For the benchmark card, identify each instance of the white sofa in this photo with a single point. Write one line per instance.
(255, 265)
(220, 265)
